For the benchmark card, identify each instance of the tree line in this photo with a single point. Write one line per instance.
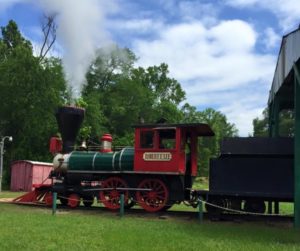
(286, 124)
(116, 95)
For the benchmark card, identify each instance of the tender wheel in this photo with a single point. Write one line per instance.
(88, 201)
(111, 197)
(255, 206)
(235, 204)
(73, 200)
(155, 199)
(212, 210)
(48, 199)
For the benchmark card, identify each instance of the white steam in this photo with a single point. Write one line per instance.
(81, 30)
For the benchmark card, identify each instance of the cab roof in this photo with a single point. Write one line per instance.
(201, 129)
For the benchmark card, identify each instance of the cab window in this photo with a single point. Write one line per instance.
(147, 139)
(167, 139)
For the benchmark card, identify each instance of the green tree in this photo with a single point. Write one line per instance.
(30, 92)
(12, 39)
(260, 126)
(124, 95)
(164, 93)
(110, 66)
(156, 79)
(286, 124)
(209, 147)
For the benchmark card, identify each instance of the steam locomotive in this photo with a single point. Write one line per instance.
(161, 167)
(156, 173)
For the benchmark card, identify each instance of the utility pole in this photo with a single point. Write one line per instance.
(10, 138)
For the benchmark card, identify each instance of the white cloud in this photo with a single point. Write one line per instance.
(136, 26)
(287, 11)
(271, 39)
(241, 105)
(217, 66)
(243, 116)
(206, 12)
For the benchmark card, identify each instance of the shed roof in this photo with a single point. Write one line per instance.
(288, 55)
(34, 162)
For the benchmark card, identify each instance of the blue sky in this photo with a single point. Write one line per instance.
(222, 52)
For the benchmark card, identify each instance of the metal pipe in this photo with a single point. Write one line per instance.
(54, 199)
(122, 202)
(200, 207)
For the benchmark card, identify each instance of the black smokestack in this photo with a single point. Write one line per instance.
(69, 120)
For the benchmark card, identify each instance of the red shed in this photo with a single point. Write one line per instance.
(25, 174)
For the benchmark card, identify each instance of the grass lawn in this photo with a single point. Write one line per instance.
(33, 228)
(8, 194)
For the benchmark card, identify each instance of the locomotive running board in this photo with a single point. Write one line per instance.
(119, 188)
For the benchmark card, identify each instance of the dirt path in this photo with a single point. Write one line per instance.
(6, 199)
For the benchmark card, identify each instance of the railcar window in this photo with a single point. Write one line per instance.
(147, 139)
(167, 139)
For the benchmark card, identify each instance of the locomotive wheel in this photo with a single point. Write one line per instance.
(154, 200)
(73, 200)
(255, 206)
(88, 201)
(111, 198)
(48, 199)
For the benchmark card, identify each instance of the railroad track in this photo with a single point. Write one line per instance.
(183, 215)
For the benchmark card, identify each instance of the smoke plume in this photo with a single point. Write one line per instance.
(81, 30)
